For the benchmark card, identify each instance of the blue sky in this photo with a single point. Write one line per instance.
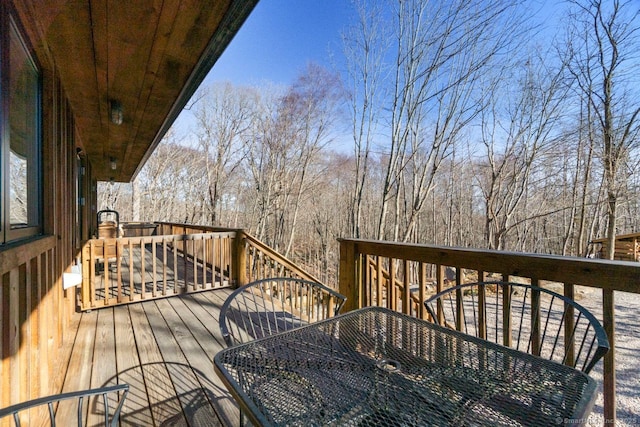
(280, 37)
(276, 42)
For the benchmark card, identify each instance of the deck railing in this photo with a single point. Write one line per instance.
(261, 262)
(130, 269)
(170, 259)
(401, 276)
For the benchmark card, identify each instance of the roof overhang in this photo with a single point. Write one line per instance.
(147, 57)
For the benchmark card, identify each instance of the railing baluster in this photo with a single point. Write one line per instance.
(406, 287)
(380, 282)
(131, 278)
(175, 266)
(507, 321)
(106, 270)
(535, 320)
(118, 263)
(460, 321)
(220, 258)
(92, 272)
(569, 326)
(193, 255)
(143, 271)
(609, 388)
(482, 308)
(154, 279)
(392, 300)
(184, 263)
(164, 265)
(205, 240)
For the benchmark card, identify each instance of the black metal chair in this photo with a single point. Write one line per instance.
(528, 318)
(273, 305)
(268, 306)
(116, 394)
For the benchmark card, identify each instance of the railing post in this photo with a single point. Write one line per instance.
(240, 259)
(609, 374)
(85, 300)
(348, 281)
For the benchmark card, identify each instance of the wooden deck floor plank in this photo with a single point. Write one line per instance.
(103, 373)
(204, 341)
(136, 411)
(208, 313)
(164, 350)
(214, 301)
(171, 333)
(165, 405)
(79, 369)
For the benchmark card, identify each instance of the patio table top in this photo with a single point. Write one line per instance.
(377, 367)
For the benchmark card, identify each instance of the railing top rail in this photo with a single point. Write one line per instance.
(201, 227)
(605, 274)
(161, 237)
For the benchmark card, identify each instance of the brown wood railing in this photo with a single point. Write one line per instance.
(176, 259)
(249, 258)
(261, 262)
(34, 319)
(130, 269)
(401, 276)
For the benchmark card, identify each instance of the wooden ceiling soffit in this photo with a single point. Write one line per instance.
(149, 55)
(236, 14)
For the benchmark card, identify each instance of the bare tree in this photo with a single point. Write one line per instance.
(365, 45)
(514, 139)
(292, 132)
(223, 115)
(603, 43)
(170, 187)
(441, 50)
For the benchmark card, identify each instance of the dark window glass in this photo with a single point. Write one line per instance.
(21, 150)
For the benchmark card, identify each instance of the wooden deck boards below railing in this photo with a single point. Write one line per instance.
(164, 350)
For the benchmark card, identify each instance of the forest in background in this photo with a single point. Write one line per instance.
(455, 123)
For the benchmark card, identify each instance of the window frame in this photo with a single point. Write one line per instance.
(9, 25)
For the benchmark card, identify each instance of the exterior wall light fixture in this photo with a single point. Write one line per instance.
(115, 112)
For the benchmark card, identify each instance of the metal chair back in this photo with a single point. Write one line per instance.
(268, 306)
(106, 397)
(528, 318)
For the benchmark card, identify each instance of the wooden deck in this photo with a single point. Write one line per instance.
(163, 349)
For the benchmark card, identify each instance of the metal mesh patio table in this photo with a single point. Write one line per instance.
(376, 367)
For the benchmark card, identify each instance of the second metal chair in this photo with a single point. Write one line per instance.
(528, 318)
(268, 306)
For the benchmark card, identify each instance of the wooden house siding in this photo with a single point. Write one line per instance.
(36, 314)
(627, 247)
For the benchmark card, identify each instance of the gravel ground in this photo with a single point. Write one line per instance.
(627, 314)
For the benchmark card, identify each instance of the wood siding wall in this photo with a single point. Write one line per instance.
(627, 248)
(36, 315)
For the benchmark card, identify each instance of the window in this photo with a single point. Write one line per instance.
(20, 135)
